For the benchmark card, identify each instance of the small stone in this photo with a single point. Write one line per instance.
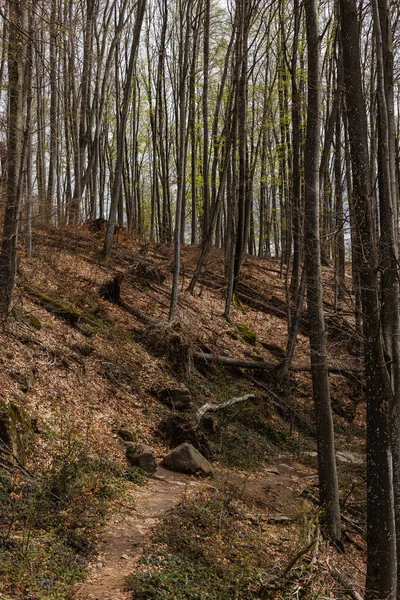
(142, 457)
(272, 471)
(99, 565)
(125, 556)
(349, 457)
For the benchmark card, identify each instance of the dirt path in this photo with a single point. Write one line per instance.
(277, 487)
(127, 531)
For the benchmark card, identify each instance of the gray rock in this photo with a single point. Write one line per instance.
(142, 457)
(177, 397)
(186, 459)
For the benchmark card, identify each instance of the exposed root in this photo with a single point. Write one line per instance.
(169, 339)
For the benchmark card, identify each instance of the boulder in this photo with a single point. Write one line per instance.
(186, 459)
(142, 457)
(177, 397)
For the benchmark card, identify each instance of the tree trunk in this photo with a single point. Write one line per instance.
(381, 558)
(329, 497)
(15, 126)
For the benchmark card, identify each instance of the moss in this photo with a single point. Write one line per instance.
(247, 334)
(236, 302)
(126, 435)
(275, 350)
(60, 309)
(34, 321)
(233, 335)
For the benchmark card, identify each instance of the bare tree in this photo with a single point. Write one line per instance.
(328, 485)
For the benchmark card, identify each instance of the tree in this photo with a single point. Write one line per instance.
(17, 48)
(328, 485)
(117, 180)
(381, 559)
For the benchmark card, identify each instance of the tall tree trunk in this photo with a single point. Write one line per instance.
(389, 255)
(117, 182)
(381, 557)
(15, 126)
(328, 485)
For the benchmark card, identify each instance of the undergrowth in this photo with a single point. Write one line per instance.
(211, 548)
(49, 520)
(205, 549)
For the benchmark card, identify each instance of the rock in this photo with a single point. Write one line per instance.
(186, 459)
(15, 429)
(349, 457)
(177, 397)
(142, 457)
(177, 429)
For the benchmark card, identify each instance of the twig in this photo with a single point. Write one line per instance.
(297, 557)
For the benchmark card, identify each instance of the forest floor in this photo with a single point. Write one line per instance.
(272, 495)
(86, 369)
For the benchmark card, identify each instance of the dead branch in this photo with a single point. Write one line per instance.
(297, 557)
(265, 366)
(216, 407)
(348, 588)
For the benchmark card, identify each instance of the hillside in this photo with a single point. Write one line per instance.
(83, 375)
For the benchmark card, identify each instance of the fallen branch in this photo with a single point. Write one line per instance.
(265, 366)
(216, 407)
(348, 588)
(297, 557)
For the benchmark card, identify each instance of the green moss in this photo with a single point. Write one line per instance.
(247, 334)
(275, 350)
(34, 321)
(60, 309)
(126, 435)
(236, 302)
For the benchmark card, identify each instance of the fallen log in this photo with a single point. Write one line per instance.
(265, 366)
(61, 310)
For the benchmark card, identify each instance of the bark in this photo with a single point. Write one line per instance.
(16, 70)
(117, 181)
(381, 561)
(328, 485)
